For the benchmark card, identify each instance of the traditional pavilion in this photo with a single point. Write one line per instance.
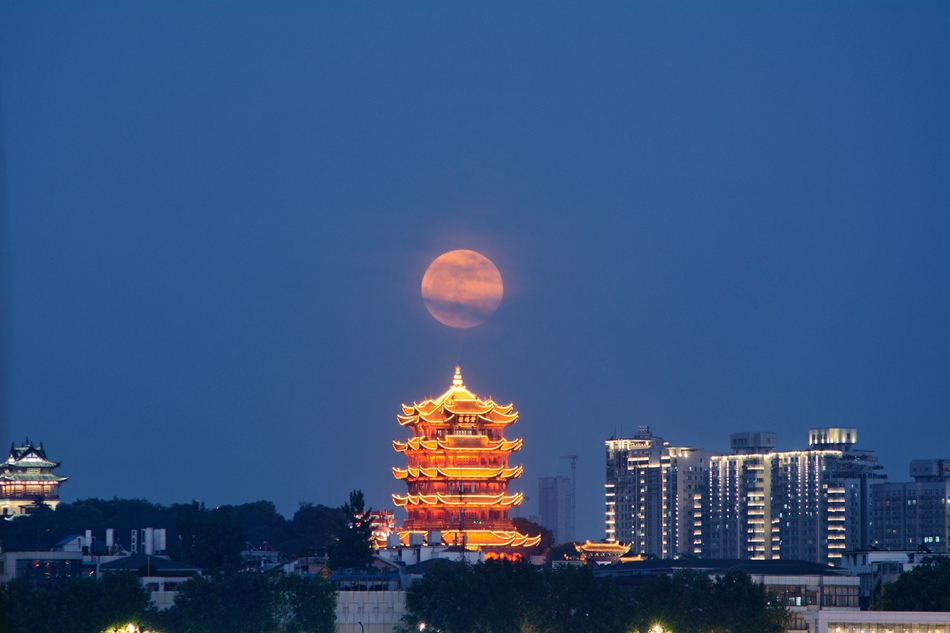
(458, 471)
(27, 480)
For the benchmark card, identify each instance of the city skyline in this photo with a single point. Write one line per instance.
(708, 219)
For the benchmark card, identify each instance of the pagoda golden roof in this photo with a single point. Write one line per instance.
(611, 548)
(457, 500)
(471, 472)
(458, 405)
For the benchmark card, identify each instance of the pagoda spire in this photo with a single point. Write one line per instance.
(457, 380)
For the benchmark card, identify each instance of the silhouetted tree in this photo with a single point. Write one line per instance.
(682, 602)
(209, 539)
(237, 602)
(314, 526)
(926, 587)
(741, 605)
(577, 602)
(690, 602)
(306, 604)
(531, 528)
(353, 545)
(82, 605)
(503, 597)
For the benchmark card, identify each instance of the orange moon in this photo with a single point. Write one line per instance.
(462, 288)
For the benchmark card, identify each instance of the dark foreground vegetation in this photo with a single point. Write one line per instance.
(504, 597)
(238, 602)
(924, 588)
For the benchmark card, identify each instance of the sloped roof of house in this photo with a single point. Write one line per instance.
(148, 563)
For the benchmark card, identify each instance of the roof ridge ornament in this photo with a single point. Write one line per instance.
(457, 380)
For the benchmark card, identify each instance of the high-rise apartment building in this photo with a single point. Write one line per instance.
(808, 505)
(555, 504)
(913, 515)
(654, 495)
(757, 503)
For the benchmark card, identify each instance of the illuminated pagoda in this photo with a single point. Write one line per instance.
(27, 480)
(458, 471)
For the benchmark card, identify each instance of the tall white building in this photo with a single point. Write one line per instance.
(654, 495)
(807, 505)
(757, 503)
(555, 505)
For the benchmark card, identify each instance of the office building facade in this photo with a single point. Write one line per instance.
(914, 515)
(555, 505)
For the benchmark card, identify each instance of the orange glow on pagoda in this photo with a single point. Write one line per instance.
(458, 473)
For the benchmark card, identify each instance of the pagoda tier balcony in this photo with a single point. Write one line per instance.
(487, 538)
(458, 473)
(459, 500)
(442, 417)
(458, 443)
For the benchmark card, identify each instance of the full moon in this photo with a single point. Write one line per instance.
(462, 288)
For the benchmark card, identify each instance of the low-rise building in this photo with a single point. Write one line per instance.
(160, 575)
(874, 568)
(878, 622)
(803, 586)
(41, 569)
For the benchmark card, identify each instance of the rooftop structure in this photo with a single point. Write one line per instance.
(457, 473)
(27, 480)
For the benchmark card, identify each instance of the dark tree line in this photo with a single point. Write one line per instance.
(238, 602)
(505, 597)
(82, 605)
(312, 527)
(690, 602)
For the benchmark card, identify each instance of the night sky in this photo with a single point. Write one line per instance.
(709, 218)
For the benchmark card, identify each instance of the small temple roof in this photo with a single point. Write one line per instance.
(33, 455)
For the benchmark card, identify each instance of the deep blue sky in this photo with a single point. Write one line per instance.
(709, 217)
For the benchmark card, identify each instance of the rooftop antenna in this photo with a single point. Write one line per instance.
(573, 459)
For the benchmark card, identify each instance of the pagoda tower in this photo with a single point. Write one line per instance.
(458, 471)
(27, 480)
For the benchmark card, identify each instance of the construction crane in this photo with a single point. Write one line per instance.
(573, 459)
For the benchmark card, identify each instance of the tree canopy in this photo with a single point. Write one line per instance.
(499, 596)
(210, 539)
(312, 527)
(353, 546)
(926, 587)
(82, 605)
(690, 602)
